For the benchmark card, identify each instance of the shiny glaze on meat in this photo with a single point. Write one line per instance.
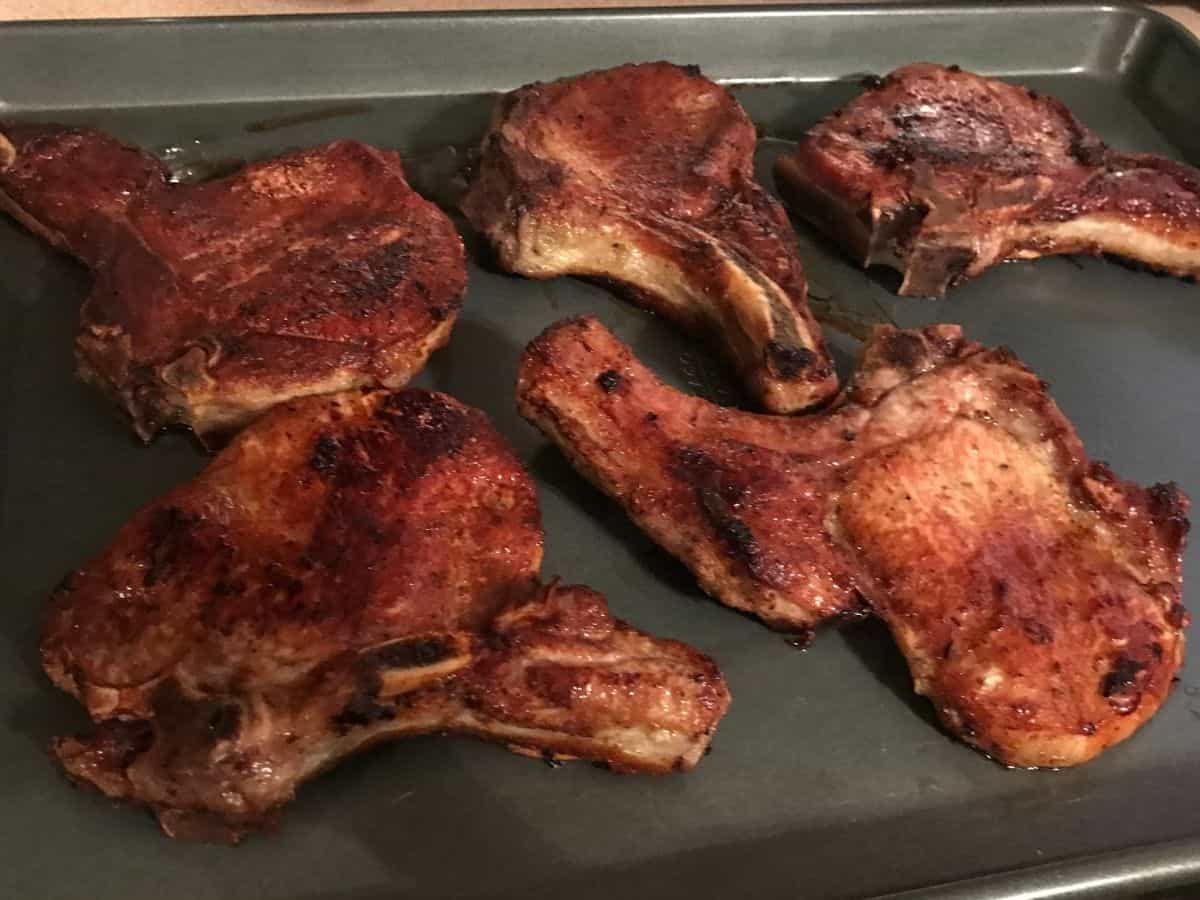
(1036, 596)
(350, 569)
(643, 175)
(309, 273)
(941, 173)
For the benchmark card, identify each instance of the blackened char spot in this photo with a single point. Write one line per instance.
(902, 223)
(903, 349)
(65, 584)
(890, 155)
(718, 494)
(789, 360)
(362, 709)
(692, 70)
(1119, 685)
(324, 457)
(1088, 728)
(369, 281)
(410, 654)
(1089, 150)
(872, 82)
(609, 380)
(735, 534)
(225, 721)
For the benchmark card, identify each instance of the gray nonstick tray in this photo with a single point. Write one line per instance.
(828, 777)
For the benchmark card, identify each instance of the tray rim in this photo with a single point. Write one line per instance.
(1139, 867)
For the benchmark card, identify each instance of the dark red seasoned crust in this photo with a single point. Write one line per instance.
(350, 569)
(642, 175)
(313, 272)
(941, 173)
(1036, 596)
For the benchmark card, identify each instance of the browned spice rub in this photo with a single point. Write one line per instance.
(350, 569)
(643, 175)
(941, 173)
(1036, 596)
(317, 271)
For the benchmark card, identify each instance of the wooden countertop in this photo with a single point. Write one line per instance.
(1187, 13)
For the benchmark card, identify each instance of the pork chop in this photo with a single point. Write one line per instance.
(1036, 596)
(941, 173)
(643, 175)
(350, 569)
(314, 272)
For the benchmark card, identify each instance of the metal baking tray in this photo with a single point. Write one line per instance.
(828, 777)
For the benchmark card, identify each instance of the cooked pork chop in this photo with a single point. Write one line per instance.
(1035, 595)
(643, 175)
(941, 173)
(350, 569)
(314, 272)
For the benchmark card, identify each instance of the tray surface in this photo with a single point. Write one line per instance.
(828, 777)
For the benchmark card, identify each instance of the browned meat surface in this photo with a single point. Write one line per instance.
(350, 569)
(314, 272)
(941, 173)
(643, 175)
(1035, 595)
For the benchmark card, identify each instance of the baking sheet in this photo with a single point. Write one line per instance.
(828, 777)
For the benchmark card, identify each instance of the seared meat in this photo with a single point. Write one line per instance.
(940, 174)
(643, 175)
(314, 272)
(1035, 595)
(350, 569)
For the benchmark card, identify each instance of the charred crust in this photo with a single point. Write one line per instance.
(789, 361)
(1177, 616)
(225, 721)
(65, 584)
(903, 349)
(609, 380)
(734, 533)
(718, 497)
(1168, 506)
(223, 588)
(410, 654)
(1088, 150)
(872, 82)
(362, 709)
(1120, 684)
(325, 454)
(890, 155)
(692, 70)
(1088, 728)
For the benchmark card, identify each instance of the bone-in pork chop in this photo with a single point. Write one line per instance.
(643, 175)
(941, 173)
(1035, 595)
(350, 569)
(314, 272)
